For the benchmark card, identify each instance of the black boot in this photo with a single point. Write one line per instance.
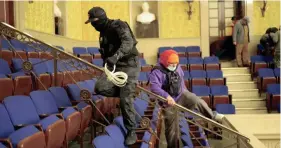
(131, 138)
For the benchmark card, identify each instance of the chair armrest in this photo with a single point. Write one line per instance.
(19, 126)
(38, 126)
(6, 142)
(60, 116)
(61, 109)
(43, 115)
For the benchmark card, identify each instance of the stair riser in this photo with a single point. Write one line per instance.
(251, 111)
(249, 104)
(228, 64)
(238, 78)
(235, 71)
(244, 94)
(238, 86)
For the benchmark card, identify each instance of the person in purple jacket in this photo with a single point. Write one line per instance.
(168, 82)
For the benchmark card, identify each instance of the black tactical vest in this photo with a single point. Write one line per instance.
(172, 84)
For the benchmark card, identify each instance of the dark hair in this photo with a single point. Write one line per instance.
(233, 18)
(268, 30)
(271, 30)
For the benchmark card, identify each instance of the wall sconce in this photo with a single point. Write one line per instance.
(263, 8)
(189, 11)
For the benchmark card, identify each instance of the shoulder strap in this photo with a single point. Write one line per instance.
(159, 68)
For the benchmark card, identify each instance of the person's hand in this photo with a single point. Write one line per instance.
(171, 101)
(111, 61)
(234, 43)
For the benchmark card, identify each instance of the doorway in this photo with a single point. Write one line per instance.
(220, 35)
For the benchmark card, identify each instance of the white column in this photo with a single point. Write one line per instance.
(204, 29)
(19, 18)
(250, 13)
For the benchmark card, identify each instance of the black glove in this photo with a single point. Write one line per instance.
(111, 61)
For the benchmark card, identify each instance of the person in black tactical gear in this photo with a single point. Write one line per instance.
(118, 47)
(267, 42)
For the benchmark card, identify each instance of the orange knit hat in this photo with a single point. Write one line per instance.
(169, 57)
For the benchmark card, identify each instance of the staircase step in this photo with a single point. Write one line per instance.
(227, 64)
(244, 93)
(235, 70)
(249, 103)
(261, 110)
(241, 85)
(238, 77)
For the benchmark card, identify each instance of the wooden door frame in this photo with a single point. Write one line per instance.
(7, 12)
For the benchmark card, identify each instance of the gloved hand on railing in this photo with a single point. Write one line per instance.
(111, 61)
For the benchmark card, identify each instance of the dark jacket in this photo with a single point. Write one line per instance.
(238, 33)
(118, 39)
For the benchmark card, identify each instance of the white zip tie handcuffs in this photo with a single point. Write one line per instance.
(117, 78)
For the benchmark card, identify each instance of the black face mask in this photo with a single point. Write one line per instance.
(99, 25)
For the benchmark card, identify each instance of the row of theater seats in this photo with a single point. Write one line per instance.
(89, 53)
(189, 51)
(147, 137)
(192, 78)
(268, 80)
(37, 120)
(61, 115)
(23, 51)
(198, 63)
(18, 82)
(115, 133)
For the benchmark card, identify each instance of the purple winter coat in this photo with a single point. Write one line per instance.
(157, 80)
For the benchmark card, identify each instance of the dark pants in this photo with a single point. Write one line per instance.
(126, 93)
(190, 101)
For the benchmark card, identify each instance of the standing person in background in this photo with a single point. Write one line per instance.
(241, 39)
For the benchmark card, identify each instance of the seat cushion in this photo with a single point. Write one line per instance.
(103, 141)
(68, 111)
(14, 75)
(46, 122)
(81, 105)
(22, 133)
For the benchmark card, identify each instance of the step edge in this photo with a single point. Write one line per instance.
(238, 90)
(245, 82)
(235, 68)
(243, 100)
(250, 108)
(225, 75)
